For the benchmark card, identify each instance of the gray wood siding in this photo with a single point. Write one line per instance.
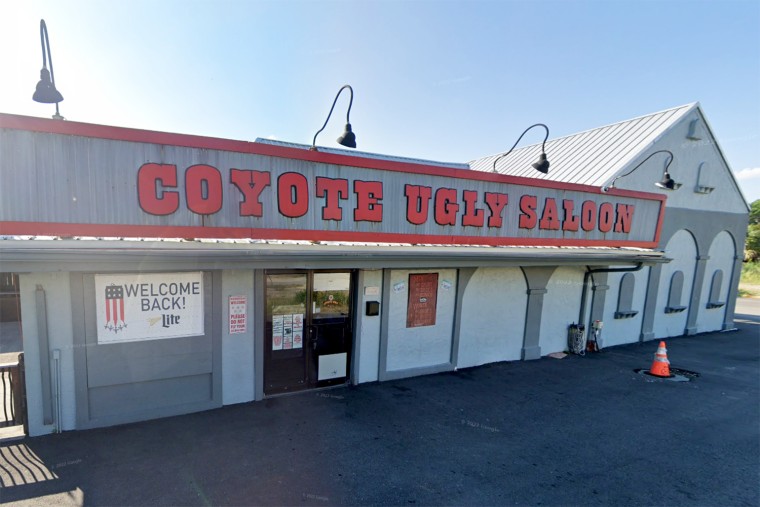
(81, 180)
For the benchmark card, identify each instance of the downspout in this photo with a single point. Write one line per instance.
(590, 273)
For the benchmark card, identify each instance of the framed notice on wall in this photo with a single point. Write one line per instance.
(423, 297)
(148, 306)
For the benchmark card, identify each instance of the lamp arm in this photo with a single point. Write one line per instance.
(46, 57)
(612, 184)
(351, 101)
(543, 144)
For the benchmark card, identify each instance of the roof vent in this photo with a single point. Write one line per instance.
(692, 134)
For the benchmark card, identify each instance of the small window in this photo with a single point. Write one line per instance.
(625, 297)
(10, 309)
(676, 292)
(715, 287)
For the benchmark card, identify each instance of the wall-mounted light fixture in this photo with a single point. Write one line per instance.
(542, 165)
(46, 93)
(700, 188)
(666, 183)
(348, 138)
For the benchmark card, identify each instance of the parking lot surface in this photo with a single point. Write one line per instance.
(572, 431)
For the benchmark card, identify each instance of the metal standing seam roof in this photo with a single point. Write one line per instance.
(364, 154)
(592, 157)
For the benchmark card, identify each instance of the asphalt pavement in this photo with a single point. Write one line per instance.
(573, 431)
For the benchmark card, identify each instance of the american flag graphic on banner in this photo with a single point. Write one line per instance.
(115, 320)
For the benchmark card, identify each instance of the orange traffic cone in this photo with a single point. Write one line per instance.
(660, 365)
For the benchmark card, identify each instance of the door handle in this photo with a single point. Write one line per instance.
(313, 336)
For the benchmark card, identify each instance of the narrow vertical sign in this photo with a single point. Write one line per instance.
(423, 297)
(297, 330)
(277, 332)
(238, 312)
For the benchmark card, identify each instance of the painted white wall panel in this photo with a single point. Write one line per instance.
(60, 336)
(418, 347)
(369, 338)
(561, 306)
(685, 169)
(237, 349)
(721, 255)
(620, 331)
(493, 317)
(683, 250)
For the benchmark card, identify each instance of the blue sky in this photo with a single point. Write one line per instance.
(449, 81)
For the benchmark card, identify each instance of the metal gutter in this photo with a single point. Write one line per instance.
(73, 255)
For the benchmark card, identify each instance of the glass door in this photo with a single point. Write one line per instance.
(330, 328)
(284, 352)
(308, 329)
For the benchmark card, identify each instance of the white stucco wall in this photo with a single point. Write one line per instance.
(560, 309)
(368, 341)
(492, 317)
(60, 336)
(620, 331)
(721, 255)
(419, 347)
(237, 349)
(683, 250)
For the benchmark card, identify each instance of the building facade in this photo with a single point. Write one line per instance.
(162, 274)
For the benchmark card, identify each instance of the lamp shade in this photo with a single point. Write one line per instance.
(348, 138)
(667, 182)
(46, 92)
(542, 165)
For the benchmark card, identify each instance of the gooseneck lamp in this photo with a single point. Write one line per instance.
(348, 138)
(542, 165)
(46, 93)
(667, 183)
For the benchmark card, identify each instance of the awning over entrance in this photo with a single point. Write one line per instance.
(24, 253)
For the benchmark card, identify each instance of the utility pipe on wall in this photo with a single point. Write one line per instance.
(42, 337)
(589, 274)
(57, 370)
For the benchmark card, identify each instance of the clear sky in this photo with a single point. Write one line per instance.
(439, 80)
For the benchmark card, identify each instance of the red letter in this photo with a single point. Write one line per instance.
(606, 217)
(251, 184)
(528, 217)
(203, 189)
(624, 218)
(496, 203)
(292, 195)
(333, 191)
(152, 199)
(472, 215)
(588, 215)
(571, 221)
(549, 219)
(368, 196)
(417, 200)
(446, 206)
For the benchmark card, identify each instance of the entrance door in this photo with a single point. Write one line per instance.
(308, 329)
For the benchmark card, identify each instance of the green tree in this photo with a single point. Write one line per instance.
(754, 213)
(752, 246)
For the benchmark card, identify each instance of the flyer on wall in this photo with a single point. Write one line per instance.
(287, 331)
(277, 332)
(297, 330)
